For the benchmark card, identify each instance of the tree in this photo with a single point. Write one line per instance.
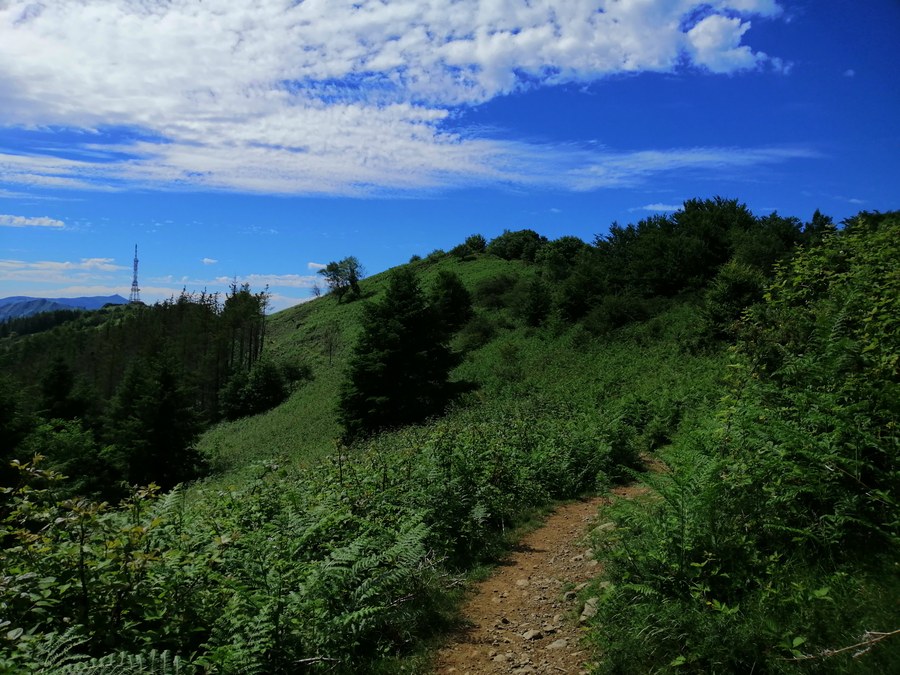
(476, 243)
(735, 288)
(558, 256)
(263, 388)
(59, 399)
(818, 227)
(451, 301)
(244, 319)
(70, 449)
(533, 302)
(399, 369)
(14, 425)
(518, 245)
(342, 276)
(153, 426)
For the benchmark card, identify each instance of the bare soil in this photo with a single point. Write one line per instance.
(528, 617)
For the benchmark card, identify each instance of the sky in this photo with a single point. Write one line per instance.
(256, 140)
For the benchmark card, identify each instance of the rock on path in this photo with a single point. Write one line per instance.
(525, 617)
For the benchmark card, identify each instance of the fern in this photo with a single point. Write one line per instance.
(151, 663)
(57, 651)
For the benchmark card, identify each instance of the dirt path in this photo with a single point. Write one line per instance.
(525, 618)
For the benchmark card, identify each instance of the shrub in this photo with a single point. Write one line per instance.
(492, 292)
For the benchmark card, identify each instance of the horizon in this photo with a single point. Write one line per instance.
(258, 143)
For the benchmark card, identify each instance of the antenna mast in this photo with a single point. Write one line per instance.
(135, 290)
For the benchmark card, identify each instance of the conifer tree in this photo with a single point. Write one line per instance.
(400, 368)
(451, 300)
(153, 426)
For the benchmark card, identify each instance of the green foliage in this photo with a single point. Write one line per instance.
(343, 276)
(769, 545)
(614, 311)
(532, 301)
(493, 292)
(773, 541)
(451, 301)
(517, 245)
(153, 427)
(476, 243)
(14, 422)
(36, 323)
(78, 366)
(73, 451)
(263, 388)
(401, 365)
(771, 239)
(350, 560)
(558, 257)
(480, 330)
(735, 288)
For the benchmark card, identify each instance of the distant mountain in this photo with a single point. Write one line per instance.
(18, 306)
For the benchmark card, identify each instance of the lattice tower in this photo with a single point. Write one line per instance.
(135, 289)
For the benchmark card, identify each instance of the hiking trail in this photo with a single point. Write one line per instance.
(527, 618)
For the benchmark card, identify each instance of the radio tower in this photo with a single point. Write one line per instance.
(135, 290)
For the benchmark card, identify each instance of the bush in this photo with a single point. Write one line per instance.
(480, 330)
(263, 388)
(492, 292)
(615, 311)
(773, 543)
(735, 288)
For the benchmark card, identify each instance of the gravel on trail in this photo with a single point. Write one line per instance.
(529, 616)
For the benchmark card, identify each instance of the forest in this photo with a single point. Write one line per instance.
(199, 486)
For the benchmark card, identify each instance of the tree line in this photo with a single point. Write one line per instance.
(712, 252)
(118, 397)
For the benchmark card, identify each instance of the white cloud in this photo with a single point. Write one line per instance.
(715, 43)
(761, 7)
(337, 97)
(278, 302)
(52, 271)
(315, 266)
(28, 221)
(259, 281)
(209, 261)
(658, 207)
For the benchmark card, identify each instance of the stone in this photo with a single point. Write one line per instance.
(532, 635)
(590, 609)
(558, 644)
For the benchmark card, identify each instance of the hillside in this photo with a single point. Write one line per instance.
(762, 371)
(21, 306)
(321, 334)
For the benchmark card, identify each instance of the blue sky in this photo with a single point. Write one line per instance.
(258, 139)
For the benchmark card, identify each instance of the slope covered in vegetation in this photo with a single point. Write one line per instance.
(303, 553)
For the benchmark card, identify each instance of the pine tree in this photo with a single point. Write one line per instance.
(153, 426)
(399, 369)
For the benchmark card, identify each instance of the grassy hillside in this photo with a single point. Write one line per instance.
(776, 526)
(320, 334)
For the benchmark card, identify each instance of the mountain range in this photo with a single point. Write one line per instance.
(19, 306)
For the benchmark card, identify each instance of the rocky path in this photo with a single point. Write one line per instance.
(526, 617)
